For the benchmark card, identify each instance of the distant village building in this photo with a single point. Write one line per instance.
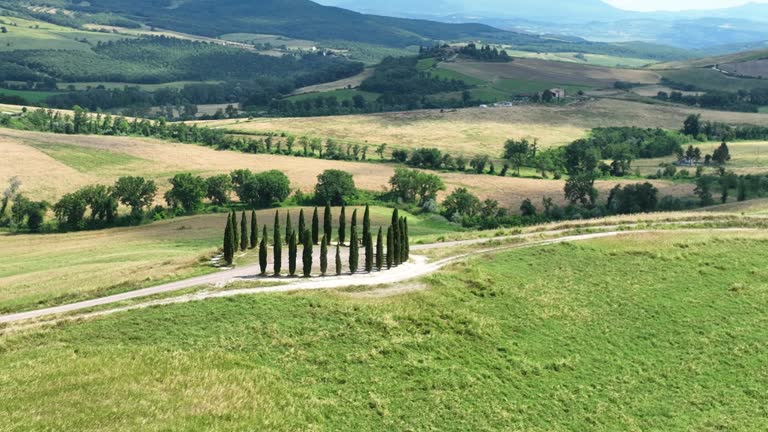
(558, 93)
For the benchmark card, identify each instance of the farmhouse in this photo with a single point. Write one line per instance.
(558, 93)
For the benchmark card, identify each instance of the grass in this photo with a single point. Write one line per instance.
(89, 160)
(646, 332)
(710, 79)
(52, 269)
(33, 34)
(747, 157)
(591, 59)
(31, 96)
(341, 95)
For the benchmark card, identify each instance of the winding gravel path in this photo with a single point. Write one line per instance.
(418, 266)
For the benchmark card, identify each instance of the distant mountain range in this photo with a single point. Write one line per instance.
(590, 19)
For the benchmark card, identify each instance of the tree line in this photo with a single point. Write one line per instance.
(244, 236)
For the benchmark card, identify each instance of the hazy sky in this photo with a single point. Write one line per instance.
(651, 5)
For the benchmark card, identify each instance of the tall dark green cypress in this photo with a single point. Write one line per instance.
(353, 252)
(328, 223)
(323, 255)
(254, 230)
(306, 256)
(315, 227)
(288, 227)
(277, 244)
(293, 248)
(407, 239)
(367, 225)
(243, 231)
(401, 232)
(368, 242)
(379, 251)
(353, 226)
(338, 259)
(228, 246)
(395, 238)
(390, 248)
(233, 216)
(263, 252)
(302, 226)
(343, 225)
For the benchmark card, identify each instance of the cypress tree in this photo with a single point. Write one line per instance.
(323, 255)
(368, 251)
(277, 243)
(302, 226)
(338, 259)
(328, 223)
(233, 216)
(741, 191)
(401, 233)
(254, 230)
(390, 248)
(292, 252)
(353, 226)
(367, 225)
(243, 231)
(407, 239)
(343, 225)
(379, 251)
(228, 242)
(288, 227)
(306, 257)
(395, 238)
(263, 252)
(353, 252)
(315, 227)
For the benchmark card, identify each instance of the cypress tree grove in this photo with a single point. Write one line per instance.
(315, 227)
(390, 248)
(338, 259)
(306, 256)
(366, 225)
(368, 242)
(292, 252)
(254, 230)
(233, 216)
(343, 225)
(228, 247)
(323, 255)
(379, 251)
(353, 252)
(277, 243)
(302, 226)
(288, 227)
(263, 254)
(328, 223)
(243, 231)
(395, 238)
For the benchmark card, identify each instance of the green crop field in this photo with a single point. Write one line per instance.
(644, 332)
(710, 79)
(31, 96)
(25, 34)
(593, 59)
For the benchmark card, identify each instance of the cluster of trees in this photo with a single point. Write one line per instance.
(401, 76)
(245, 235)
(741, 101)
(330, 105)
(485, 53)
(695, 128)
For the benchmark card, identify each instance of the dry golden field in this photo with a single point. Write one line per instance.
(476, 130)
(51, 165)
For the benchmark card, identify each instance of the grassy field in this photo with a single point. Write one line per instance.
(747, 157)
(341, 84)
(24, 34)
(341, 95)
(581, 58)
(51, 269)
(556, 73)
(76, 161)
(30, 96)
(645, 332)
(471, 131)
(710, 79)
